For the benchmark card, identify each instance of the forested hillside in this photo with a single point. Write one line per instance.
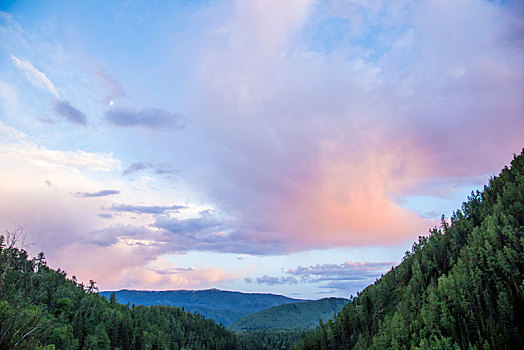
(295, 316)
(41, 308)
(460, 287)
(222, 306)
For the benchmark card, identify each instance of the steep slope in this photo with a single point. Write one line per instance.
(222, 306)
(295, 316)
(460, 287)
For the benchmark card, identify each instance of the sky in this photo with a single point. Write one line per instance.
(293, 147)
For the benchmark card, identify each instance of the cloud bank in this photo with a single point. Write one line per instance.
(314, 137)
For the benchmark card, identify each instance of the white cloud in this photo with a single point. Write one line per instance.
(18, 147)
(35, 77)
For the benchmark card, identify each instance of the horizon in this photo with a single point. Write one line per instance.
(293, 148)
(204, 290)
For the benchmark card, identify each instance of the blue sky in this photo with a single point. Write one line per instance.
(294, 147)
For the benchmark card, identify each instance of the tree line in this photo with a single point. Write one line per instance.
(40, 308)
(43, 309)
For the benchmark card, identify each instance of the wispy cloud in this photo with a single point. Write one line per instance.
(136, 167)
(18, 146)
(204, 225)
(347, 271)
(114, 87)
(35, 77)
(102, 193)
(152, 118)
(173, 270)
(73, 115)
(145, 209)
(112, 234)
(343, 276)
(272, 280)
(158, 169)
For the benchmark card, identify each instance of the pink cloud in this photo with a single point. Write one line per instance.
(312, 147)
(297, 145)
(126, 266)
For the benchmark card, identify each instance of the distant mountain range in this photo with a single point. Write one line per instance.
(222, 306)
(294, 316)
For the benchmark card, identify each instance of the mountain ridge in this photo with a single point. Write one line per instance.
(201, 290)
(220, 305)
(290, 316)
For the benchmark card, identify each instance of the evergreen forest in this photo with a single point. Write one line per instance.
(460, 287)
(41, 308)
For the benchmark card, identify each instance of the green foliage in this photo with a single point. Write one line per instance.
(294, 316)
(270, 339)
(42, 309)
(462, 286)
